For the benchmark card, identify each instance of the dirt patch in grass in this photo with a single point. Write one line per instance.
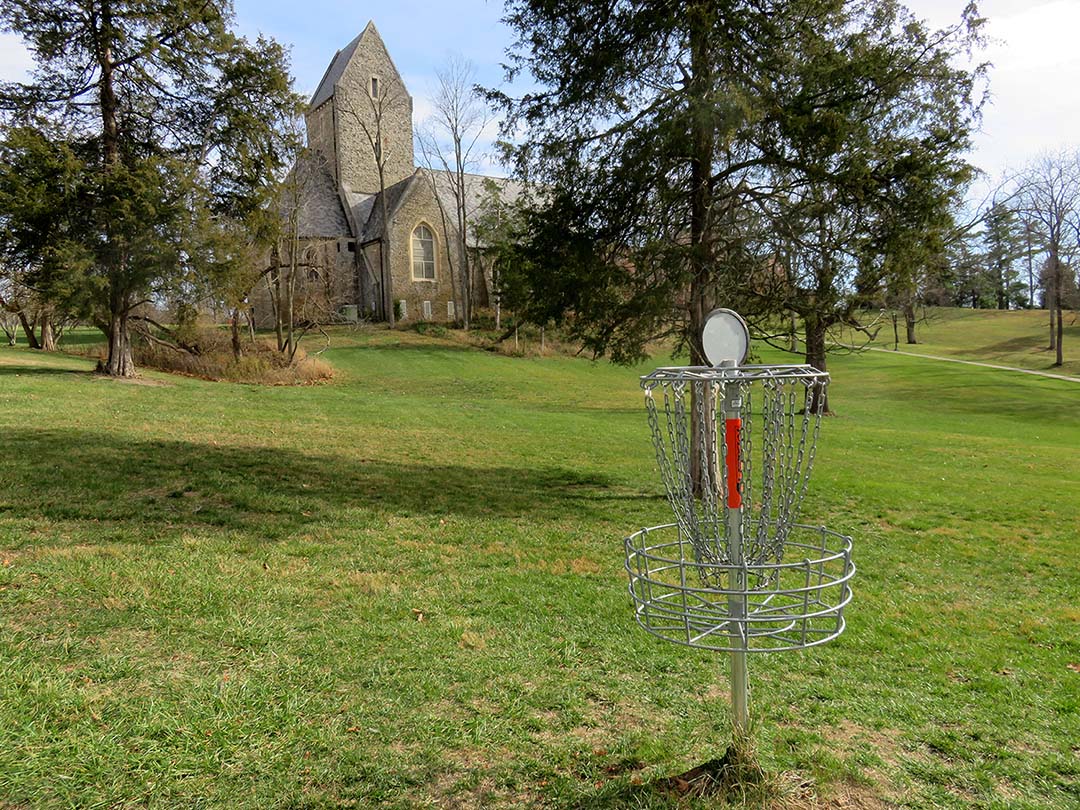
(850, 796)
(147, 381)
(878, 792)
(372, 582)
(884, 742)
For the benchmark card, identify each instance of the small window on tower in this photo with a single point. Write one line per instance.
(374, 86)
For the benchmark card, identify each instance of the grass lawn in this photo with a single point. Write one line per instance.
(405, 589)
(1016, 338)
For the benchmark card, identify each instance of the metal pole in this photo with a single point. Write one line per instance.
(732, 407)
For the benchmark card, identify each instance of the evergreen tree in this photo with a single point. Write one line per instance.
(174, 111)
(1004, 244)
(693, 154)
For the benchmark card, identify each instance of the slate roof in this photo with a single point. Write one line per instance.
(475, 191)
(321, 212)
(325, 91)
(333, 73)
(373, 226)
(358, 207)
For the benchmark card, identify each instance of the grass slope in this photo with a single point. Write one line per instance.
(406, 590)
(1012, 338)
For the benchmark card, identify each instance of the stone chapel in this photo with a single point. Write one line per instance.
(361, 115)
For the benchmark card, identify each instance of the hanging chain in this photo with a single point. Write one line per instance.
(785, 419)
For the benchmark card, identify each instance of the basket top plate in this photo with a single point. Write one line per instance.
(731, 373)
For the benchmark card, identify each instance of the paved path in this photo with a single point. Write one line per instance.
(984, 365)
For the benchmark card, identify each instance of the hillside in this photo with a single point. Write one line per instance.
(406, 589)
(1014, 338)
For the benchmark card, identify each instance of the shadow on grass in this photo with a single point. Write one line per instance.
(1030, 400)
(1022, 344)
(38, 371)
(159, 485)
(421, 348)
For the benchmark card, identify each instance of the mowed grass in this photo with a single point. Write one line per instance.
(1014, 338)
(405, 589)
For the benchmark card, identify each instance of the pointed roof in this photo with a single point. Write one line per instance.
(395, 196)
(325, 91)
(510, 191)
(321, 213)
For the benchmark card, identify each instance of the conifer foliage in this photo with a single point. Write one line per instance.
(166, 124)
(750, 154)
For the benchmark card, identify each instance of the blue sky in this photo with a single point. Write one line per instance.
(1035, 104)
(419, 35)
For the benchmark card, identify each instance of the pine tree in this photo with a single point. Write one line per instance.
(169, 103)
(695, 154)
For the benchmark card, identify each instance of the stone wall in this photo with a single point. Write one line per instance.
(353, 101)
(420, 207)
(325, 282)
(320, 134)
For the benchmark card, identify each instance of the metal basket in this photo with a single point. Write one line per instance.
(735, 571)
(803, 605)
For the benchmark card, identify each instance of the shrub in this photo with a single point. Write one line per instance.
(261, 363)
(432, 329)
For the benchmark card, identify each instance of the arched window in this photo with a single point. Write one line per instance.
(423, 253)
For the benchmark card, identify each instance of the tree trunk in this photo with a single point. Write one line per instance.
(1051, 305)
(1031, 274)
(384, 271)
(463, 253)
(275, 303)
(28, 329)
(455, 289)
(236, 348)
(1058, 297)
(816, 329)
(48, 337)
(702, 142)
(909, 323)
(119, 363)
(290, 300)
(895, 332)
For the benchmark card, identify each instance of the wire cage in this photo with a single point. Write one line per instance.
(676, 598)
(736, 571)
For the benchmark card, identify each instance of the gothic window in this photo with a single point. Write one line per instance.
(423, 253)
(374, 86)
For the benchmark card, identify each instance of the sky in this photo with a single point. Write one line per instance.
(1034, 82)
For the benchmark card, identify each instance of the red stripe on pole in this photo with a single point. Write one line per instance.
(732, 428)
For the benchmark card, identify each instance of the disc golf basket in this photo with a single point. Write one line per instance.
(736, 572)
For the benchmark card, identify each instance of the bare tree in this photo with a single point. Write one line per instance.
(1049, 198)
(294, 265)
(382, 100)
(23, 307)
(9, 324)
(449, 141)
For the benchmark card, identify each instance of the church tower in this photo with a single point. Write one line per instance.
(362, 109)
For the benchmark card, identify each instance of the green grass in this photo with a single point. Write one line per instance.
(1015, 338)
(405, 589)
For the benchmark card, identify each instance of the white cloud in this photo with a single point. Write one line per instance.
(1034, 105)
(16, 62)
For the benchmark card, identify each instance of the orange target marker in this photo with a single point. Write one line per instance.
(732, 428)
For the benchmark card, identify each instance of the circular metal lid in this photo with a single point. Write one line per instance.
(725, 337)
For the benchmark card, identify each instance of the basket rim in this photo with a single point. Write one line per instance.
(649, 551)
(748, 373)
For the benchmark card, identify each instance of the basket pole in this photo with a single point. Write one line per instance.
(732, 406)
